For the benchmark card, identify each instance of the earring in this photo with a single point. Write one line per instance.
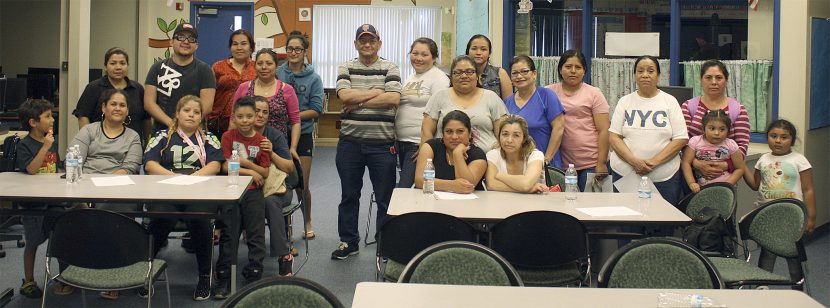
(102, 117)
(128, 121)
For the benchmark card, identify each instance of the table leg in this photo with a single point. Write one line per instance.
(234, 224)
(6, 296)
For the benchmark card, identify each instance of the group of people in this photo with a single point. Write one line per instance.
(479, 124)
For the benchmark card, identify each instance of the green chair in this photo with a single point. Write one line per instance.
(547, 248)
(460, 263)
(720, 197)
(555, 176)
(279, 292)
(659, 263)
(777, 227)
(404, 236)
(104, 251)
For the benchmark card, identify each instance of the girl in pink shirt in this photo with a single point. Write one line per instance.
(713, 145)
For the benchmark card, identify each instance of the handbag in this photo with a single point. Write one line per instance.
(275, 182)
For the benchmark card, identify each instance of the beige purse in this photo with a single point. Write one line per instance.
(275, 182)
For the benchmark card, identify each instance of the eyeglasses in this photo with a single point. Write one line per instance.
(523, 72)
(465, 73)
(294, 49)
(367, 41)
(182, 38)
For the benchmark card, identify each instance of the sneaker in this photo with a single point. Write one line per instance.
(252, 273)
(30, 289)
(202, 291)
(344, 250)
(222, 289)
(286, 263)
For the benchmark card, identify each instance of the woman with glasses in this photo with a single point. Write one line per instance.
(483, 107)
(418, 88)
(585, 138)
(282, 100)
(539, 107)
(309, 89)
(492, 78)
(230, 73)
(459, 164)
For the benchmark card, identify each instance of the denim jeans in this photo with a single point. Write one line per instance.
(407, 174)
(352, 159)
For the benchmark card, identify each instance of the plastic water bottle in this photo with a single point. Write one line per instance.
(429, 177)
(71, 165)
(570, 183)
(668, 299)
(233, 169)
(644, 189)
(79, 171)
(543, 182)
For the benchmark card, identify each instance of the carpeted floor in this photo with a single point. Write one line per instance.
(338, 276)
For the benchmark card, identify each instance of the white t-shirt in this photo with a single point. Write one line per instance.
(494, 156)
(781, 176)
(416, 92)
(483, 113)
(647, 125)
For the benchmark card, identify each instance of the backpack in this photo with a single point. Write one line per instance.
(709, 232)
(8, 162)
(734, 107)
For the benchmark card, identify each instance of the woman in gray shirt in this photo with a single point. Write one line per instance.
(108, 146)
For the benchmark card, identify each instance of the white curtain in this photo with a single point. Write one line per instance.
(615, 77)
(334, 31)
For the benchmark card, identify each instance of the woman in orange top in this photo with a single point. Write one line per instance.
(229, 74)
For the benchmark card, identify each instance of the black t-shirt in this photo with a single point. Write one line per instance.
(27, 149)
(173, 82)
(89, 105)
(443, 170)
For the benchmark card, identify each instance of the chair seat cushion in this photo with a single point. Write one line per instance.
(734, 270)
(283, 296)
(392, 271)
(550, 277)
(111, 279)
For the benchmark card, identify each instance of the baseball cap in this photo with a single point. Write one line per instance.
(366, 28)
(185, 26)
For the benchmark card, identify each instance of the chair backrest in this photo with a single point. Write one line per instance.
(289, 292)
(555, 176)
(777, 226)
(717, 196)
(99, 239)
(659, 263)
(540, 239)
(402, 237)
(460, 263)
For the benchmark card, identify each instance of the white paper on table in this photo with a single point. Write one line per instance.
(443, 195)
(112, 181)
(185, 180)
(630, 182)
(606, 211)
(606, 184)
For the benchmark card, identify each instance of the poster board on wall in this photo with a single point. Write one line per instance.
(820, 73)
(630, 44)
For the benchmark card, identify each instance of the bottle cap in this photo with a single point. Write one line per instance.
(644, 177)
(570, 165)
(234, 152)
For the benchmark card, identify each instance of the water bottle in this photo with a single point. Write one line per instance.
(71, 165)
(644, 189)
(570, 183)
(429, 177)
(79, 171)
(233, 169)
(542, 181)
(668, 299)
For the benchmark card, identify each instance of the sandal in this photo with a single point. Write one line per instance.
(285, 265)
(111, 295)
(309, 235)
(63, 289)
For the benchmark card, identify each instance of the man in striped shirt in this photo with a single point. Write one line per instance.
(370, 89)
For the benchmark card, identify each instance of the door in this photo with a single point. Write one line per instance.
(215, 22)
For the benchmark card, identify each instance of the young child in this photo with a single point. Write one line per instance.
(277, 145)
(713, 145)
(36, 154)
(784, 173)
(254, 161)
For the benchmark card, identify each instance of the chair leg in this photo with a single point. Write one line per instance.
(366, 241)
(83, 297)
(167, 284)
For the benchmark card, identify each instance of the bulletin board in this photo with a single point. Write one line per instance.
(820, 74)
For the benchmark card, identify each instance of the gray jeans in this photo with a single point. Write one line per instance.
(276, 222)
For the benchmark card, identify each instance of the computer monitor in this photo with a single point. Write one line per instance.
(682, 94)
(14, 93)
(95, 74)
(40, 86)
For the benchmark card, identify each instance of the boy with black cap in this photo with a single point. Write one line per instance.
(173, 78)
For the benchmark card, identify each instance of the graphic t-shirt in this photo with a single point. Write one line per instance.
(247, 147)
(713, 152)
(27, 149)
(781, 176)
(178, 156)
(173, 82)
(414, 97)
